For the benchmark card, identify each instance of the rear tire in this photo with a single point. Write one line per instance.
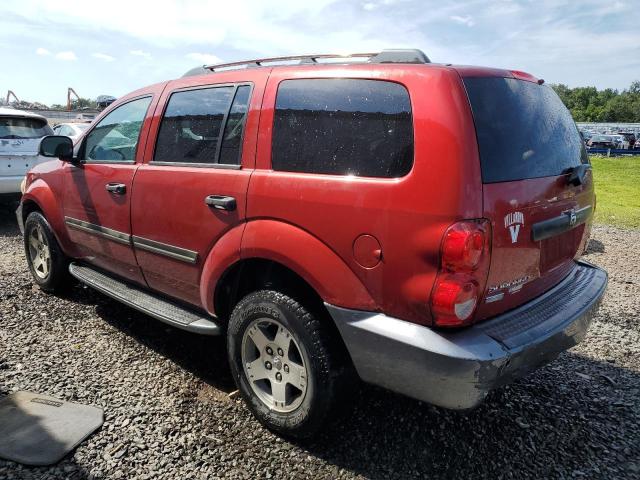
(48, 265)
(284, 362)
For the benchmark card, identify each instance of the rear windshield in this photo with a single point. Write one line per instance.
(16, 127)
(523, 129)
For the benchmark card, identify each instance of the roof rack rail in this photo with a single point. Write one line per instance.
(385, 56)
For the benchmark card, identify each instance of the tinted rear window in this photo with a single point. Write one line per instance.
(191, 126)
(16, 127)
(523, 129)
(343, 127)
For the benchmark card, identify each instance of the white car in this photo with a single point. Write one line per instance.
(71, 130)
(621, 141)
(20, 134)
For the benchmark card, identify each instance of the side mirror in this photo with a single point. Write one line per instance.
(57, 146)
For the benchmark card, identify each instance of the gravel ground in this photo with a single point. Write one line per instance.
(169, 415)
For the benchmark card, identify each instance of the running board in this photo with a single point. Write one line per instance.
(153, 305)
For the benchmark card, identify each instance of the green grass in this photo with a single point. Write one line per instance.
(617, 182)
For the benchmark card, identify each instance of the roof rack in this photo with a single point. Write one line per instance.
(385, 56)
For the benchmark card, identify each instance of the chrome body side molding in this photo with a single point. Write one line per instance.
(98, 230)
(171, 251)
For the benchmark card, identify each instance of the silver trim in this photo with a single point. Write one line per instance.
(221, 166)
(138, 298)
(108, 233)
(457, 368)
(170, 251)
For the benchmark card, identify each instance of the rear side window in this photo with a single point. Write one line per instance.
(523, 129)
(343, 127)
(16, 127)
(203, 126)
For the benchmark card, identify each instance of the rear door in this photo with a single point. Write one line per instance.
(192, 188)
(529, 148)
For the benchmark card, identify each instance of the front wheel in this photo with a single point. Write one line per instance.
(48, 265)
(284, 362)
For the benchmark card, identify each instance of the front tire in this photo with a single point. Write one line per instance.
(284, 362)
(48, 265)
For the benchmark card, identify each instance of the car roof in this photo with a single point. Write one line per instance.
(404, 59)
(12, 112)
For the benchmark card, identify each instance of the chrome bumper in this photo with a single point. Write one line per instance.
(458, 369)
(11, 184)
(19, 218)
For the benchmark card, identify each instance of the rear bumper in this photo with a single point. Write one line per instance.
(10, 184)
(19, 218)
(457, 369)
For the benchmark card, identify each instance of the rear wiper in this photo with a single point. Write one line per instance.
(577, 174)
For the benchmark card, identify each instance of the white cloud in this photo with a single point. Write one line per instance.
(556, 39)
(466, 20)
(204, 58)
(140, 53)
(42, 51)
(66, 56)
(103, 56)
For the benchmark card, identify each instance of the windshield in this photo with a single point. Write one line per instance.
(16, 127)
(523, 129)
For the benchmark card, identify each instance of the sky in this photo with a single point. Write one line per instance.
(118, 46)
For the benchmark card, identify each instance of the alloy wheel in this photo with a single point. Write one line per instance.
(39, 252)
(274, 365)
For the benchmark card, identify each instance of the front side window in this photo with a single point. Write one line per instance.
(203, 126)
(115, 137)
(343, 127)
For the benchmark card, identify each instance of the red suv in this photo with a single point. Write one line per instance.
(331, 217)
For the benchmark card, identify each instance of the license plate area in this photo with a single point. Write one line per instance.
(559, 249)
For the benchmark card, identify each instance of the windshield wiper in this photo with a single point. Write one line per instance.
(577, 174)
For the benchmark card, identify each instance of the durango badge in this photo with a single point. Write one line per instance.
(513, 221)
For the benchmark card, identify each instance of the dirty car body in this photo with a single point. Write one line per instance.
(341, 202)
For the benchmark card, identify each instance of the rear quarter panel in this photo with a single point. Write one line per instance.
(408, 215)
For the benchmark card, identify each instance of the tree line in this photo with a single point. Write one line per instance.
(588, 104)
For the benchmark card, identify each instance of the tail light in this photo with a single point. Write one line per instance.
(463, 273)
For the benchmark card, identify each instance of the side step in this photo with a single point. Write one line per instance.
(153, 305)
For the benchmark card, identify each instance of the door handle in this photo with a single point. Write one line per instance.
(117, 188)
(221, 202)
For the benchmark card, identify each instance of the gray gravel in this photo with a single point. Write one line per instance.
(169, 415)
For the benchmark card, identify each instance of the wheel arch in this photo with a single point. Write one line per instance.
(286, 252)
(40, 198)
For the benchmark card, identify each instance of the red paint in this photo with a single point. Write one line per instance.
(362, 243)
(543, 263)
(367, 251)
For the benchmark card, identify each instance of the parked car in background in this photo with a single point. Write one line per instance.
(630, 138)
(317, 217)
(71, 130)
(20, 134)
(86, 117)
(620, 141)
(602, 141)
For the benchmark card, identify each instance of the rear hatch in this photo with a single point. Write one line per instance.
(19, 141)
(537, 188)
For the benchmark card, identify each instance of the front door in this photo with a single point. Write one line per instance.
(98, 189)
(192, 188)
